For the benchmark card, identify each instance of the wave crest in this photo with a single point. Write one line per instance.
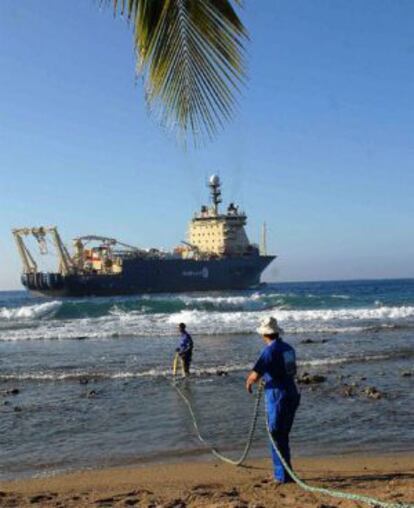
(28, 312)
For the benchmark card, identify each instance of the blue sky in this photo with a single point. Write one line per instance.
(321, 146)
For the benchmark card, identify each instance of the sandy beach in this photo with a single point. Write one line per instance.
(211, 484)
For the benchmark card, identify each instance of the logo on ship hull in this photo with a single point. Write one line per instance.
(197, 273)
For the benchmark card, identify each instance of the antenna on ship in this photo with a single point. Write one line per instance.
(263, 243)
(215, 184)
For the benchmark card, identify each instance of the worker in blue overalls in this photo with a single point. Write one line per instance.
(185, 349)
(277, 366)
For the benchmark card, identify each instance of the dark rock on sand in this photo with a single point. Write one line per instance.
(105, 499)
(222, 373)
(372, 393)
(310, 379)
(312, 341)
(347, 390)
(13, 391)
(91, 394)
(40, 498)
(406, 373)
(131, 502)
(175, 503)
(231, 493)
(203, 490)
(351, 390)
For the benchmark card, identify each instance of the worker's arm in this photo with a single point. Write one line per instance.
(252, 378)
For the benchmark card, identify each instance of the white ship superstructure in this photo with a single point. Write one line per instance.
(218, 234)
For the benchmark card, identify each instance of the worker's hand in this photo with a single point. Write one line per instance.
(252, 378)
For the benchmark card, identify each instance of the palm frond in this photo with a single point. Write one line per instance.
(191, 54)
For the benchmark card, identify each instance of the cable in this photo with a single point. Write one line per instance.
(320, 490)
(213, 450)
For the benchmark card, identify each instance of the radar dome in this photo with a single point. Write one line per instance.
(214, 180)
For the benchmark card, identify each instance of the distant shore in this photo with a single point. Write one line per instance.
(390, 478)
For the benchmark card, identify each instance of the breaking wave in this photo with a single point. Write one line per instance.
(301, 308)
(27, 312)
(39, 322)
(169, 304)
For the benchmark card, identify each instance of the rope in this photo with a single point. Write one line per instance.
(213, 450)
(320, 490)
(331, 492)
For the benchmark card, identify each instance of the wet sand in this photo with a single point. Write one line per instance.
(211, 484)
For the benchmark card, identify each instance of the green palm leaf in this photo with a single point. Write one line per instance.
(191, 55)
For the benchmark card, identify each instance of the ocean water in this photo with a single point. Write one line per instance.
(92, 391)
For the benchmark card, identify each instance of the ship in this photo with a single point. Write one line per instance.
(216, 256)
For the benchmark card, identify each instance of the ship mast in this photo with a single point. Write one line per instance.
(263, 243)
(215, 190)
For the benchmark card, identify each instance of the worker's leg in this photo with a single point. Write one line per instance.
(281, 412)
(273, 409)
(282, 441)
(186, 359)
(289, 405)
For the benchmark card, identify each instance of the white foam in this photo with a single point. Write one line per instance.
(38, 311)
(293, 321)
(255, 301)
(197, 372)
(91, 375)
(138, 324)
(344, 359)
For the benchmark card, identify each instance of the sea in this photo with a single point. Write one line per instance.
(86, 383)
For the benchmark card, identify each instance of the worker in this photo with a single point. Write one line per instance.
(277, 367)
(185, 350)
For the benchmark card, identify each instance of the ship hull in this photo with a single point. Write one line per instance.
(142, 275)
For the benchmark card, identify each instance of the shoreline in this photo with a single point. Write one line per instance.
(388, 477)
(196, 456)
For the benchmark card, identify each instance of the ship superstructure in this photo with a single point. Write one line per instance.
(216, 256)
(219, 234)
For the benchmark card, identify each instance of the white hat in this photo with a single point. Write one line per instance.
(269, 326)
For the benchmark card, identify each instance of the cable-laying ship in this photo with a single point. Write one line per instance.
(216, 256)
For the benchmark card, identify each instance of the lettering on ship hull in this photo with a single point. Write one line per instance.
(197, 273)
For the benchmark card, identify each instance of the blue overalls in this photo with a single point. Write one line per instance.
(185, 351)
(277, 366)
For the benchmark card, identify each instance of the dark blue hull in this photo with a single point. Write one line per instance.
(142, 275)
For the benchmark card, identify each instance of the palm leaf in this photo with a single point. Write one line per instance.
(191, 55)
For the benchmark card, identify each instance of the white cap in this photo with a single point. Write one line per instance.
(269, 326)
